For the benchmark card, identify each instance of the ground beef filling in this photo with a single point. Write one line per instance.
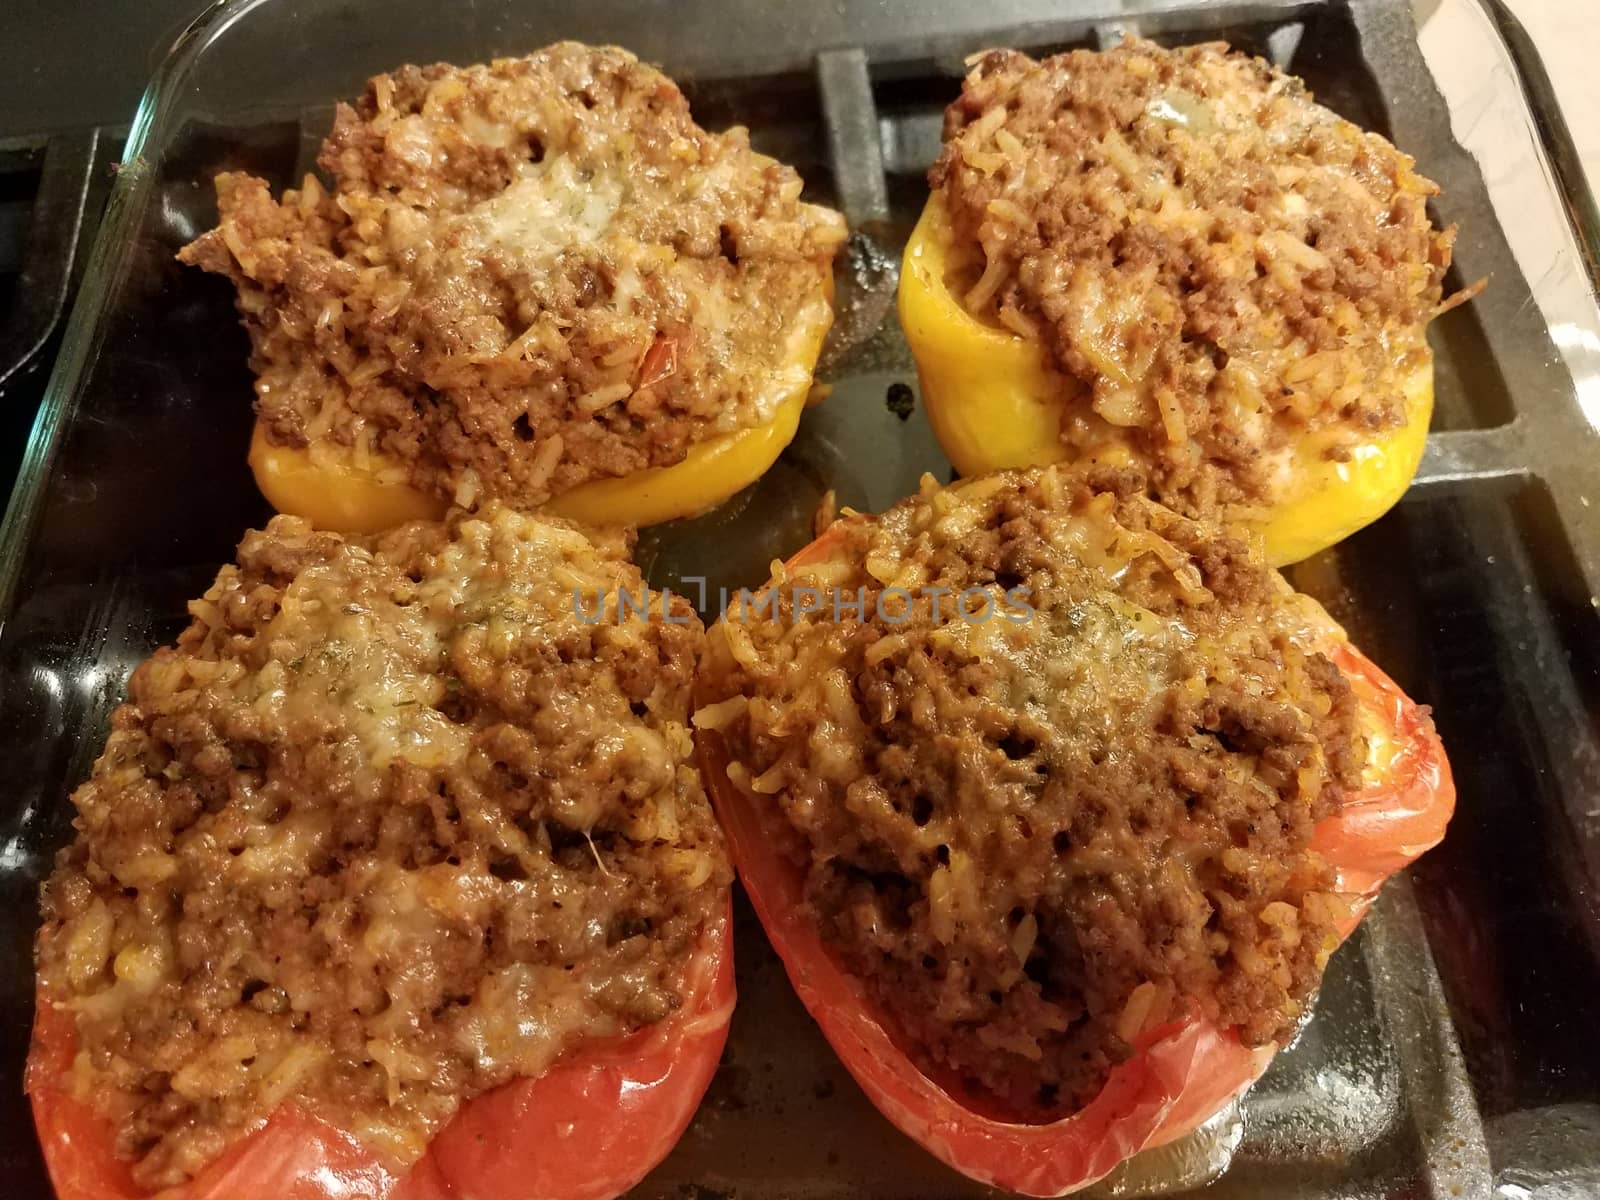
(1037, 834)
(388, 827)
(1219, 266)
(529, 274)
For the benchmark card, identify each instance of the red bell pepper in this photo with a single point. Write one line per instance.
(1181, 1073)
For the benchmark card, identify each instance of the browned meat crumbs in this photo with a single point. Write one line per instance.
(388, 827)
(1037, 834)
(1218, 265)
(529, 274)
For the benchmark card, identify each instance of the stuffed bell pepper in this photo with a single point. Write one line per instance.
(394, 881)
(1055, 805)
(1176, 261)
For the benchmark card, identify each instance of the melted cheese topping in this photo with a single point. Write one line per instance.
(549, 211)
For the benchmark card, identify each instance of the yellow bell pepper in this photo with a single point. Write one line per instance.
(996, 401)
(335, 492)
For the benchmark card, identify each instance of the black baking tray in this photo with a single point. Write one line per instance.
(1451, 1054)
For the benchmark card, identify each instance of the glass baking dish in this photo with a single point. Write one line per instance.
(1448, 1056)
